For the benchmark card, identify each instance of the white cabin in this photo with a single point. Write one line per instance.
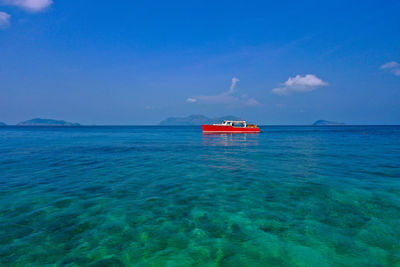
(232, 123)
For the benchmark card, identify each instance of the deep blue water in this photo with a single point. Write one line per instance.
(171, 196)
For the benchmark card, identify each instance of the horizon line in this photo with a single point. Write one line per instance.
(175, 125)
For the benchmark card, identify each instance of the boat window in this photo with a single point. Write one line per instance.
(238, 124)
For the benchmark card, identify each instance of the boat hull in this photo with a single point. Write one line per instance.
(229, 129)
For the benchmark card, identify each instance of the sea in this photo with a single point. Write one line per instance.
(173, 196)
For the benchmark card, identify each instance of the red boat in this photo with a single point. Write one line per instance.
(231, 127)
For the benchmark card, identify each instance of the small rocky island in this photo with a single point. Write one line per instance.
(327, 123)
(195, 120)
(46, 122)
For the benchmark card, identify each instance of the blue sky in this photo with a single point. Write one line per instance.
(137, 62)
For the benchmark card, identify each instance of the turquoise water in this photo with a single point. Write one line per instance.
(171, 196)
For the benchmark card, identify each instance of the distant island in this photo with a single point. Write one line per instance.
(46, 122)
(327, 123)
(2, 124)
(195, 120)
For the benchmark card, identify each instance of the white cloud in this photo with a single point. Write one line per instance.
(252, 102)
(389, 65)
(396, 72)
(233, 85)
(191, 100)
(280, 91)
(300, 84)
(393, 66)
(4, 19)
(308, 80)
(227, 97)
(30, 5)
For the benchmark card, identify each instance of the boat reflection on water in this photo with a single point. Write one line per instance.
(230, 139)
